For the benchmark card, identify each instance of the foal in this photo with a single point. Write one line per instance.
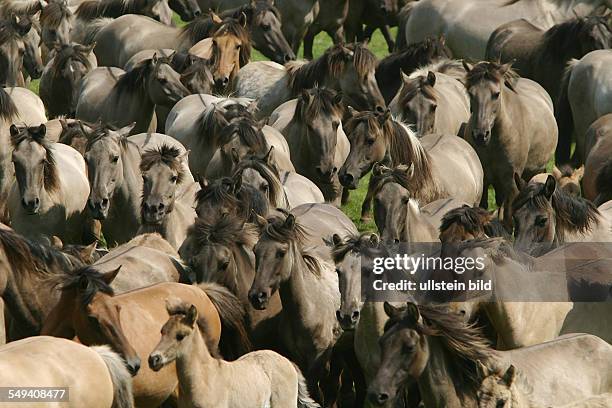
(268, 379)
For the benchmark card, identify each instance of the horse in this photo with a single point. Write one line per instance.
(229, 45)
(407, 61)
(434, 99)
(401, 218)
(113, 163)
(56, 22)
(51, 189)
(132, 97)
(415, 336)
(95, 314)
(374, 16)
(348, 68)
(72, 132)
(26, 290)
(32, 57)
(597, 165)
(243, 135)
(542, 55)
(202, 377)
(584, 98)
(545, 213)
(510, 389)
(468, 25)
(440, 166)
(467, 223)
(164, 209)
(283, 190)
(220, 249)
(563, 291)
(330, 18)
(61, 79)
(95, 376)
(512, 128)
(308, 288)
(158, 10)
(12, 49)
(225, 197)
(312, 125)
(568, 179)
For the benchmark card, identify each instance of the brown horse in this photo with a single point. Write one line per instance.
(260, 378)
(227, 197)
(130, 322)
(220, 250)
(439, 166)
(512, 127)
(466, 223)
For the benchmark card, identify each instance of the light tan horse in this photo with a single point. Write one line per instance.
(258, 379)
(51, 189)
(510, 389)
(96, 377)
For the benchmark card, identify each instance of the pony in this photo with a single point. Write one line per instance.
(56, 22)
(12, 49)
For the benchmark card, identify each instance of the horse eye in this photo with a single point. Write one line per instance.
(224, 265)
(541, 221)
(238, 46)
(335, 124)
(500, 404)
(180, 337)
(280, 253)
(496, 95)
(370, 142)
(433, 108)
(174, 179)
(115, 159)
(265, 27)
(264, 187)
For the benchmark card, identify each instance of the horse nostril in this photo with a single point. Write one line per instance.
(396, 241)
(355, 315)
(161, 206)
(338, 315)
(287, 58)
(379, 109)
(197, 13)
(382, 397)
(334, 170)
(36, 201)
(104, 202)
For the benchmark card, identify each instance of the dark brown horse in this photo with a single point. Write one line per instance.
(407, 61)
(465, 223)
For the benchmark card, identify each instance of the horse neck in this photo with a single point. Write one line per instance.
(27, 317)
(244, 272)
(437, 383)
(128, 192)
(295, 291)
(195, 369)
(417, 227)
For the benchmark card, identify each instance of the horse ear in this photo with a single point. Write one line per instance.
(442, 40)
(269, 157)
(203, 182)
(405, 78)
(549, 186)
(289, 222)
(243, 20)
(40, 131)
(338, 98)
(481, 369)
(365, 42)
(259, 220)
(557, 173)
(14, 130)
(154, 58)
(110, 276)
(63, 123)
(378, 169)
(214, 17)
(519, 182)
(412, 313)
(392, 311)
(125, 131)
(509, 376)
(236, 184)
(431, 78)
(56, 242)
(466, 66)
(88, 251)
(305, 96)
(578, 173)
(234, 155)
(336, 239)
(352, 111)
(409, 170)
(192, 316)
(374, 240)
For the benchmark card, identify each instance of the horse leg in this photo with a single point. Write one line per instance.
(359, 381)
(338, 35)
(345, 195)
(2, 324)
(308, 40)
(367, 203)
(388, 38)
(331, 383)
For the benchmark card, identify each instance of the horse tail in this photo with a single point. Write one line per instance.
(8, 109)
(304, 399)
(563, 115)
(120, 377)
(92, 28)
(234, 338)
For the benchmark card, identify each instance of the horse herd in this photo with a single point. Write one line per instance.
(172, 227)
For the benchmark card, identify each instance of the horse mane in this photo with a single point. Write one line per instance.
(252, 10)
(416, 85)
(135, 80)
(331, 64)
(88, 281)
(198, 29)
(321, 101)
(574, 214)
(415, 55)
(269, 173)
(475, 220)
(228, 231)
(249, 133)
(92, 9)
(51, 177)
(22, 8)
(555, 40)
(65, 55)
(491, 71)
(358, 243)
(54, 13)
(233, 27)
(29, 257)
(8, 32)
(247, 198)
(450, 67)
(8, 109)
(276, 230)
(464, 342)
(102, 131)
(164, 154)
(211, 122)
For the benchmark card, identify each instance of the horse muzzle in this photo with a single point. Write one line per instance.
(348, 180)
(481, 137)
(154, 214)
(99, 209)
(31, 206)
(347, 321)
(133, 366)
(156, 361)
(259, 300)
